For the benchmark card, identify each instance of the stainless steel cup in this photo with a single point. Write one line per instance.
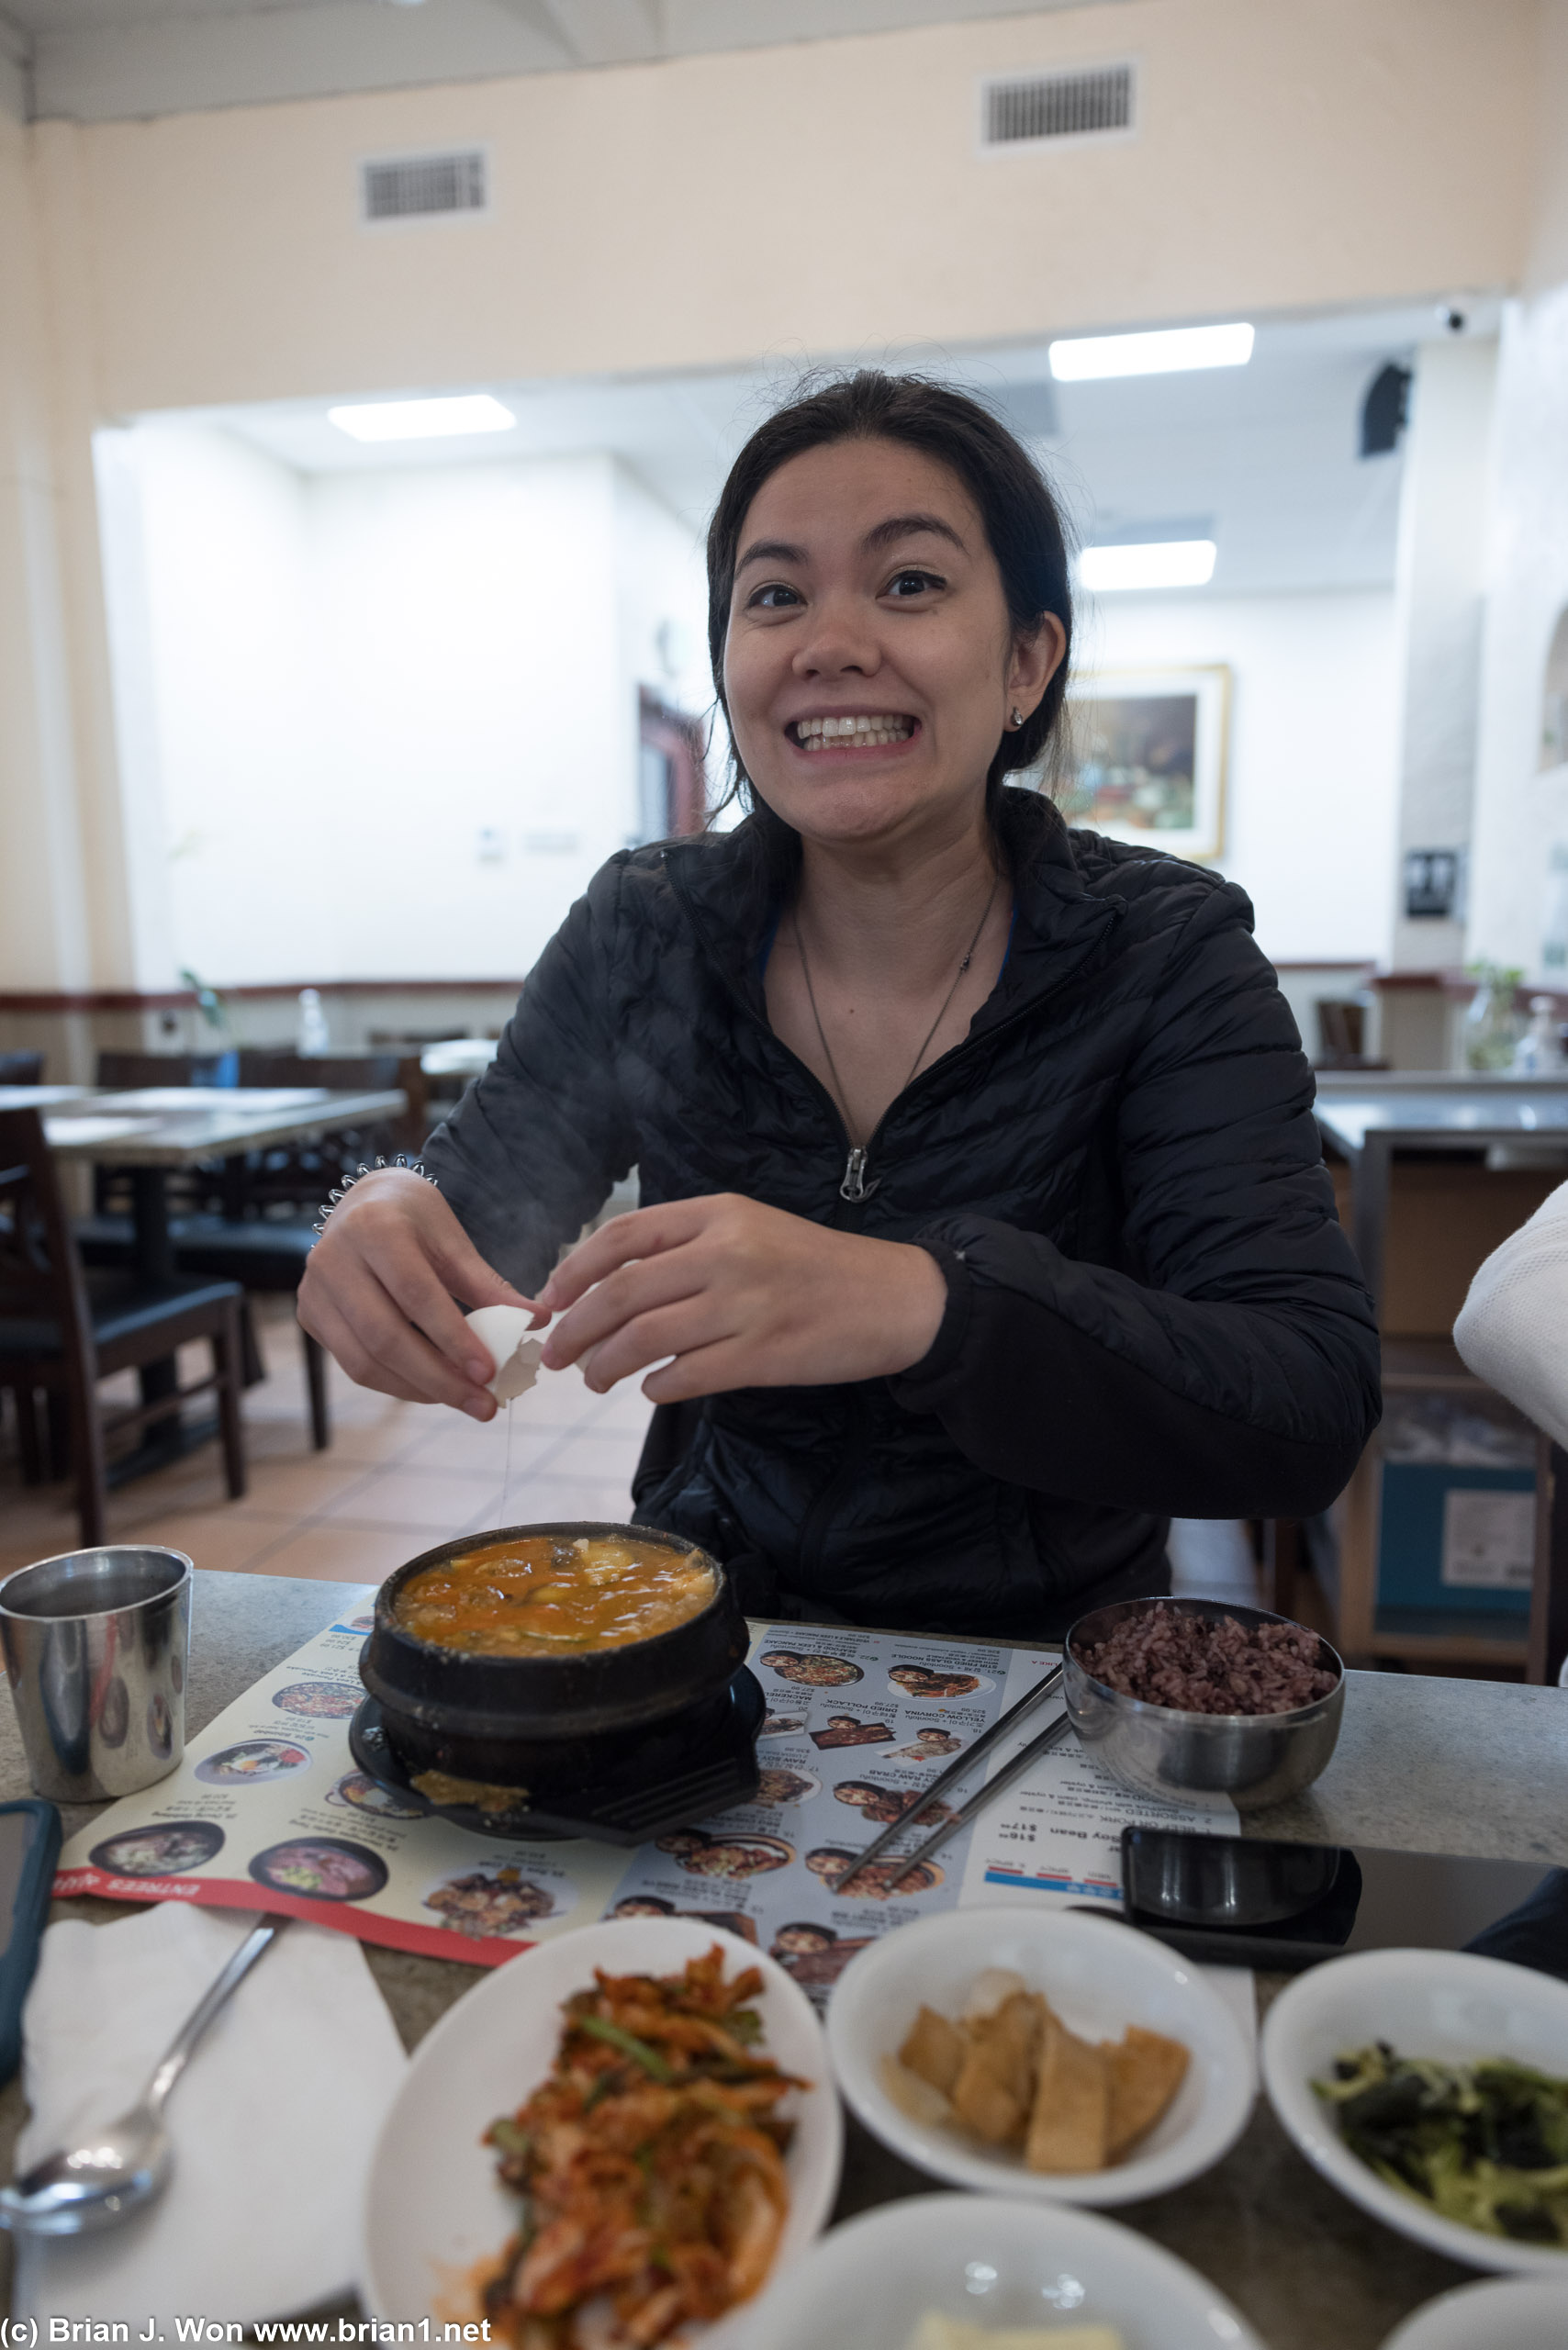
(97, 1645)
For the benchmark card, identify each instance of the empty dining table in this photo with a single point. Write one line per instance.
(158, 1129)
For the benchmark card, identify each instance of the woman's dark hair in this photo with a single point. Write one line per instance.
(1023, 527)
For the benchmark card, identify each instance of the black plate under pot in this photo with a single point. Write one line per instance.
(676, 1779)
(553, 1725)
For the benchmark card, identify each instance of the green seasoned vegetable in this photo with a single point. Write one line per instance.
(629, 2044)
(1485, 2144)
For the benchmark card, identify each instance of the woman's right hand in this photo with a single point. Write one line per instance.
(378, 1289)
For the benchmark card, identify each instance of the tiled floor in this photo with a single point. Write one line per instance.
(398, 1477)
(401, 1477)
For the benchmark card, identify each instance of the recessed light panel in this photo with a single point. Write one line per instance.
(434, 419)
(1171, 350)
(1163, 562)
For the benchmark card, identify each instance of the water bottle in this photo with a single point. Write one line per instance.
(1538, 1052)
(310, 1031)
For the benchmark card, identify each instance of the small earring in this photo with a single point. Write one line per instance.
(1015, 717)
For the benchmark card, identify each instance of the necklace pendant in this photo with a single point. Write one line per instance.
(855, 1186)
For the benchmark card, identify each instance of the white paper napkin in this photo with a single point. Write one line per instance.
(273, 2121)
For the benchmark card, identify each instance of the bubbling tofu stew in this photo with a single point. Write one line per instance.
(555, 1595)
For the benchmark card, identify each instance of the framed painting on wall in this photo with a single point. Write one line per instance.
(1145, 757)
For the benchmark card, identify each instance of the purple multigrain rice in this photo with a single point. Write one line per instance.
(1186, 1662)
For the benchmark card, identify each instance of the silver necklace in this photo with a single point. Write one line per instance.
(838, 1093)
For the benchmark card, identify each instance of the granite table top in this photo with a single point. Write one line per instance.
(1423, 1766)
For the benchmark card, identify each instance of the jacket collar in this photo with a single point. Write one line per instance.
(725, 885)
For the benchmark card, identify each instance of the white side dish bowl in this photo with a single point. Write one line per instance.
(1099, 1976)
(1517, 2314)
(433, 2208)
(995, 2262)
(1445, 2004)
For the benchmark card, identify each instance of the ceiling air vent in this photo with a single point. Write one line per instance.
(422, 187)
(1026, 109)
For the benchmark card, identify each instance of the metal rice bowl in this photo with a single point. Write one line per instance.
(1254, 1759)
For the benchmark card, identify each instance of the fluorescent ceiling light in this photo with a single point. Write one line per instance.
(1164, 563)
(1168, 353)
(423, 419)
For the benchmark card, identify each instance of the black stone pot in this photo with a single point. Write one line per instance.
(549, 1724)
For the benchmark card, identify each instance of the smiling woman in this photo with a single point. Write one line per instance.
(984, 1226)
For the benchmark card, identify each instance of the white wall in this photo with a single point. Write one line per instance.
(1443, 517)
(1521, 810)
(662, 589)
(470, 678)
(390, 728)
(1311, 798)
(208, 577)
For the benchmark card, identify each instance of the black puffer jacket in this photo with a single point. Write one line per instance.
(1152, 1311)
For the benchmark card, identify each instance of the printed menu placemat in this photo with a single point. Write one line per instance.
(268, 1810)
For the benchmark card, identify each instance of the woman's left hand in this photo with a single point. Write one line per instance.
(741, 1295)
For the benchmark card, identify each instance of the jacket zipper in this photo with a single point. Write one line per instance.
(854, 1185)
(854, 1188)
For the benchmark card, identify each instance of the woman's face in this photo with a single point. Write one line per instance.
(865, 592)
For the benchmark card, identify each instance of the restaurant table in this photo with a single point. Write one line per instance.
(159, 1127)
(460, 1056)
(1369, 1124)
(39, 1097)
(155, 1129)
(1422, 1764)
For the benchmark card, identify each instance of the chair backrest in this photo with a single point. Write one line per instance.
(21, 1068)
(40, 1272)
(340, 1073)
(1341, 1026)
(125, 1073)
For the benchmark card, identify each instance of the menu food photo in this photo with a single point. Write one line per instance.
(269, 1810)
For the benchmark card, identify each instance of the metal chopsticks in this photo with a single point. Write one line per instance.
(956, 1770)
(978, 1802)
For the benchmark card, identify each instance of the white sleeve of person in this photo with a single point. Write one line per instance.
(1513, 1327)
(504, 1330)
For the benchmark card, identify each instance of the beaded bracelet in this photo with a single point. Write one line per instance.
(335, 1199)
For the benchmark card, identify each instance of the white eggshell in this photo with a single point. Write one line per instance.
(504, 1329)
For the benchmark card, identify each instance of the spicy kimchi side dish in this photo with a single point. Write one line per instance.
(553, 1594)
(650, 2163)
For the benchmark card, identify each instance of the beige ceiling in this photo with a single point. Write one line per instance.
(99, 59)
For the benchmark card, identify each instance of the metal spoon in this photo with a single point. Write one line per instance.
(82, 2189)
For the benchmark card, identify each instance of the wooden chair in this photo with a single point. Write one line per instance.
(126, 1072)
(188, 1187)
(62, 1330)
(250, 1219)
(349, 1073)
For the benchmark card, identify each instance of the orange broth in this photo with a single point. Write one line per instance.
(551, 1594)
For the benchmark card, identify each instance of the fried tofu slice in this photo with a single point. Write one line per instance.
(1146, 2071)
(1069, 2126)
(937, 2332)
(992, 2093)
(915, 2098)
(934, 2049)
